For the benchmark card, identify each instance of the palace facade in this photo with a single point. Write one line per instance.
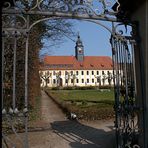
(78, 70)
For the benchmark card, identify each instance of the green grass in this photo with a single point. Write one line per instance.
(83, 95)
(34, 113)
(86, 103)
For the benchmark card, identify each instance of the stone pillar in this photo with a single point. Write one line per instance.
(141, 56)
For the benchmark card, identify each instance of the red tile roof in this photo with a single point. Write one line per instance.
(71, 63)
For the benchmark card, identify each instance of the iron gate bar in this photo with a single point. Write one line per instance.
(125, 71)
(133, 58)
(26, 144)
(113, 54)
(59, 14)
(3, 46)
(14, 71)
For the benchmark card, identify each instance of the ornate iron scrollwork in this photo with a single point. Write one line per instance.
(91, 7)
(15, 22)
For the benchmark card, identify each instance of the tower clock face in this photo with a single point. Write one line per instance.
(80, 49)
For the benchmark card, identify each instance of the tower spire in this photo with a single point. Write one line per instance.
(78, 34)
(79, 49)
(79, 42)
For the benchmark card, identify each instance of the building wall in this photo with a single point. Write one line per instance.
(81, 78)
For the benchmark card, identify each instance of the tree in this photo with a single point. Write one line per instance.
(48, 30)
(45, 76)
(57, 30)
(104, 77)
(98, 79)
(58, 76)
(74, 78)
(109, 78)
(67, 77)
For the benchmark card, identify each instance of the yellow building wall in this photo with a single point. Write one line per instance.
(78, 76)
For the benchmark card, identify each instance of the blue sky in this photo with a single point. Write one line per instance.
(94, 37)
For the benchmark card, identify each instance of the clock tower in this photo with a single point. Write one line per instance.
(79, 50)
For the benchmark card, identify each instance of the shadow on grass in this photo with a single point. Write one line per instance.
(82, 136)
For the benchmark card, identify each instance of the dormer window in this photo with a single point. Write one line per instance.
(102, 65)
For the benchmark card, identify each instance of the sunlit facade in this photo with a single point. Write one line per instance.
(78, 70)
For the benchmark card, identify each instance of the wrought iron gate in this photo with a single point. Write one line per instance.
(15, 29)
(14, 106)
(126, 107)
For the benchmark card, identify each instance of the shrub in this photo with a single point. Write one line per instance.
(82, 87)
(55, 88)
(68, 88)
(73, 102)
(105, 87)
(84, 102)
(85, 87)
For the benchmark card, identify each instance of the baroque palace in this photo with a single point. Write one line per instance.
(78, 70)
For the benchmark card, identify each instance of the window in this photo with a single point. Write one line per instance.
(82, 72)
(92, 72)
(108, 72)
(48, 81)
(54, 81)
(87, 72)
(71, 72)
(87, 80)
(102, 65)
(82, 80)
(98, 80)
(77, 80)
(77, 72)
(66, 81)
(102, 72)
(97, 72)
(92, 80)
(53, 72)
(71, 80)
(66, 73)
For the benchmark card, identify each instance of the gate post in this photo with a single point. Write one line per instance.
(142, 101)
(141, 74)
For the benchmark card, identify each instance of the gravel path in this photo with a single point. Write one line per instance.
(63, 133)
(50, 111)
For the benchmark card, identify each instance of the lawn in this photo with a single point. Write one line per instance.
(86, 104)
(83, 95)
